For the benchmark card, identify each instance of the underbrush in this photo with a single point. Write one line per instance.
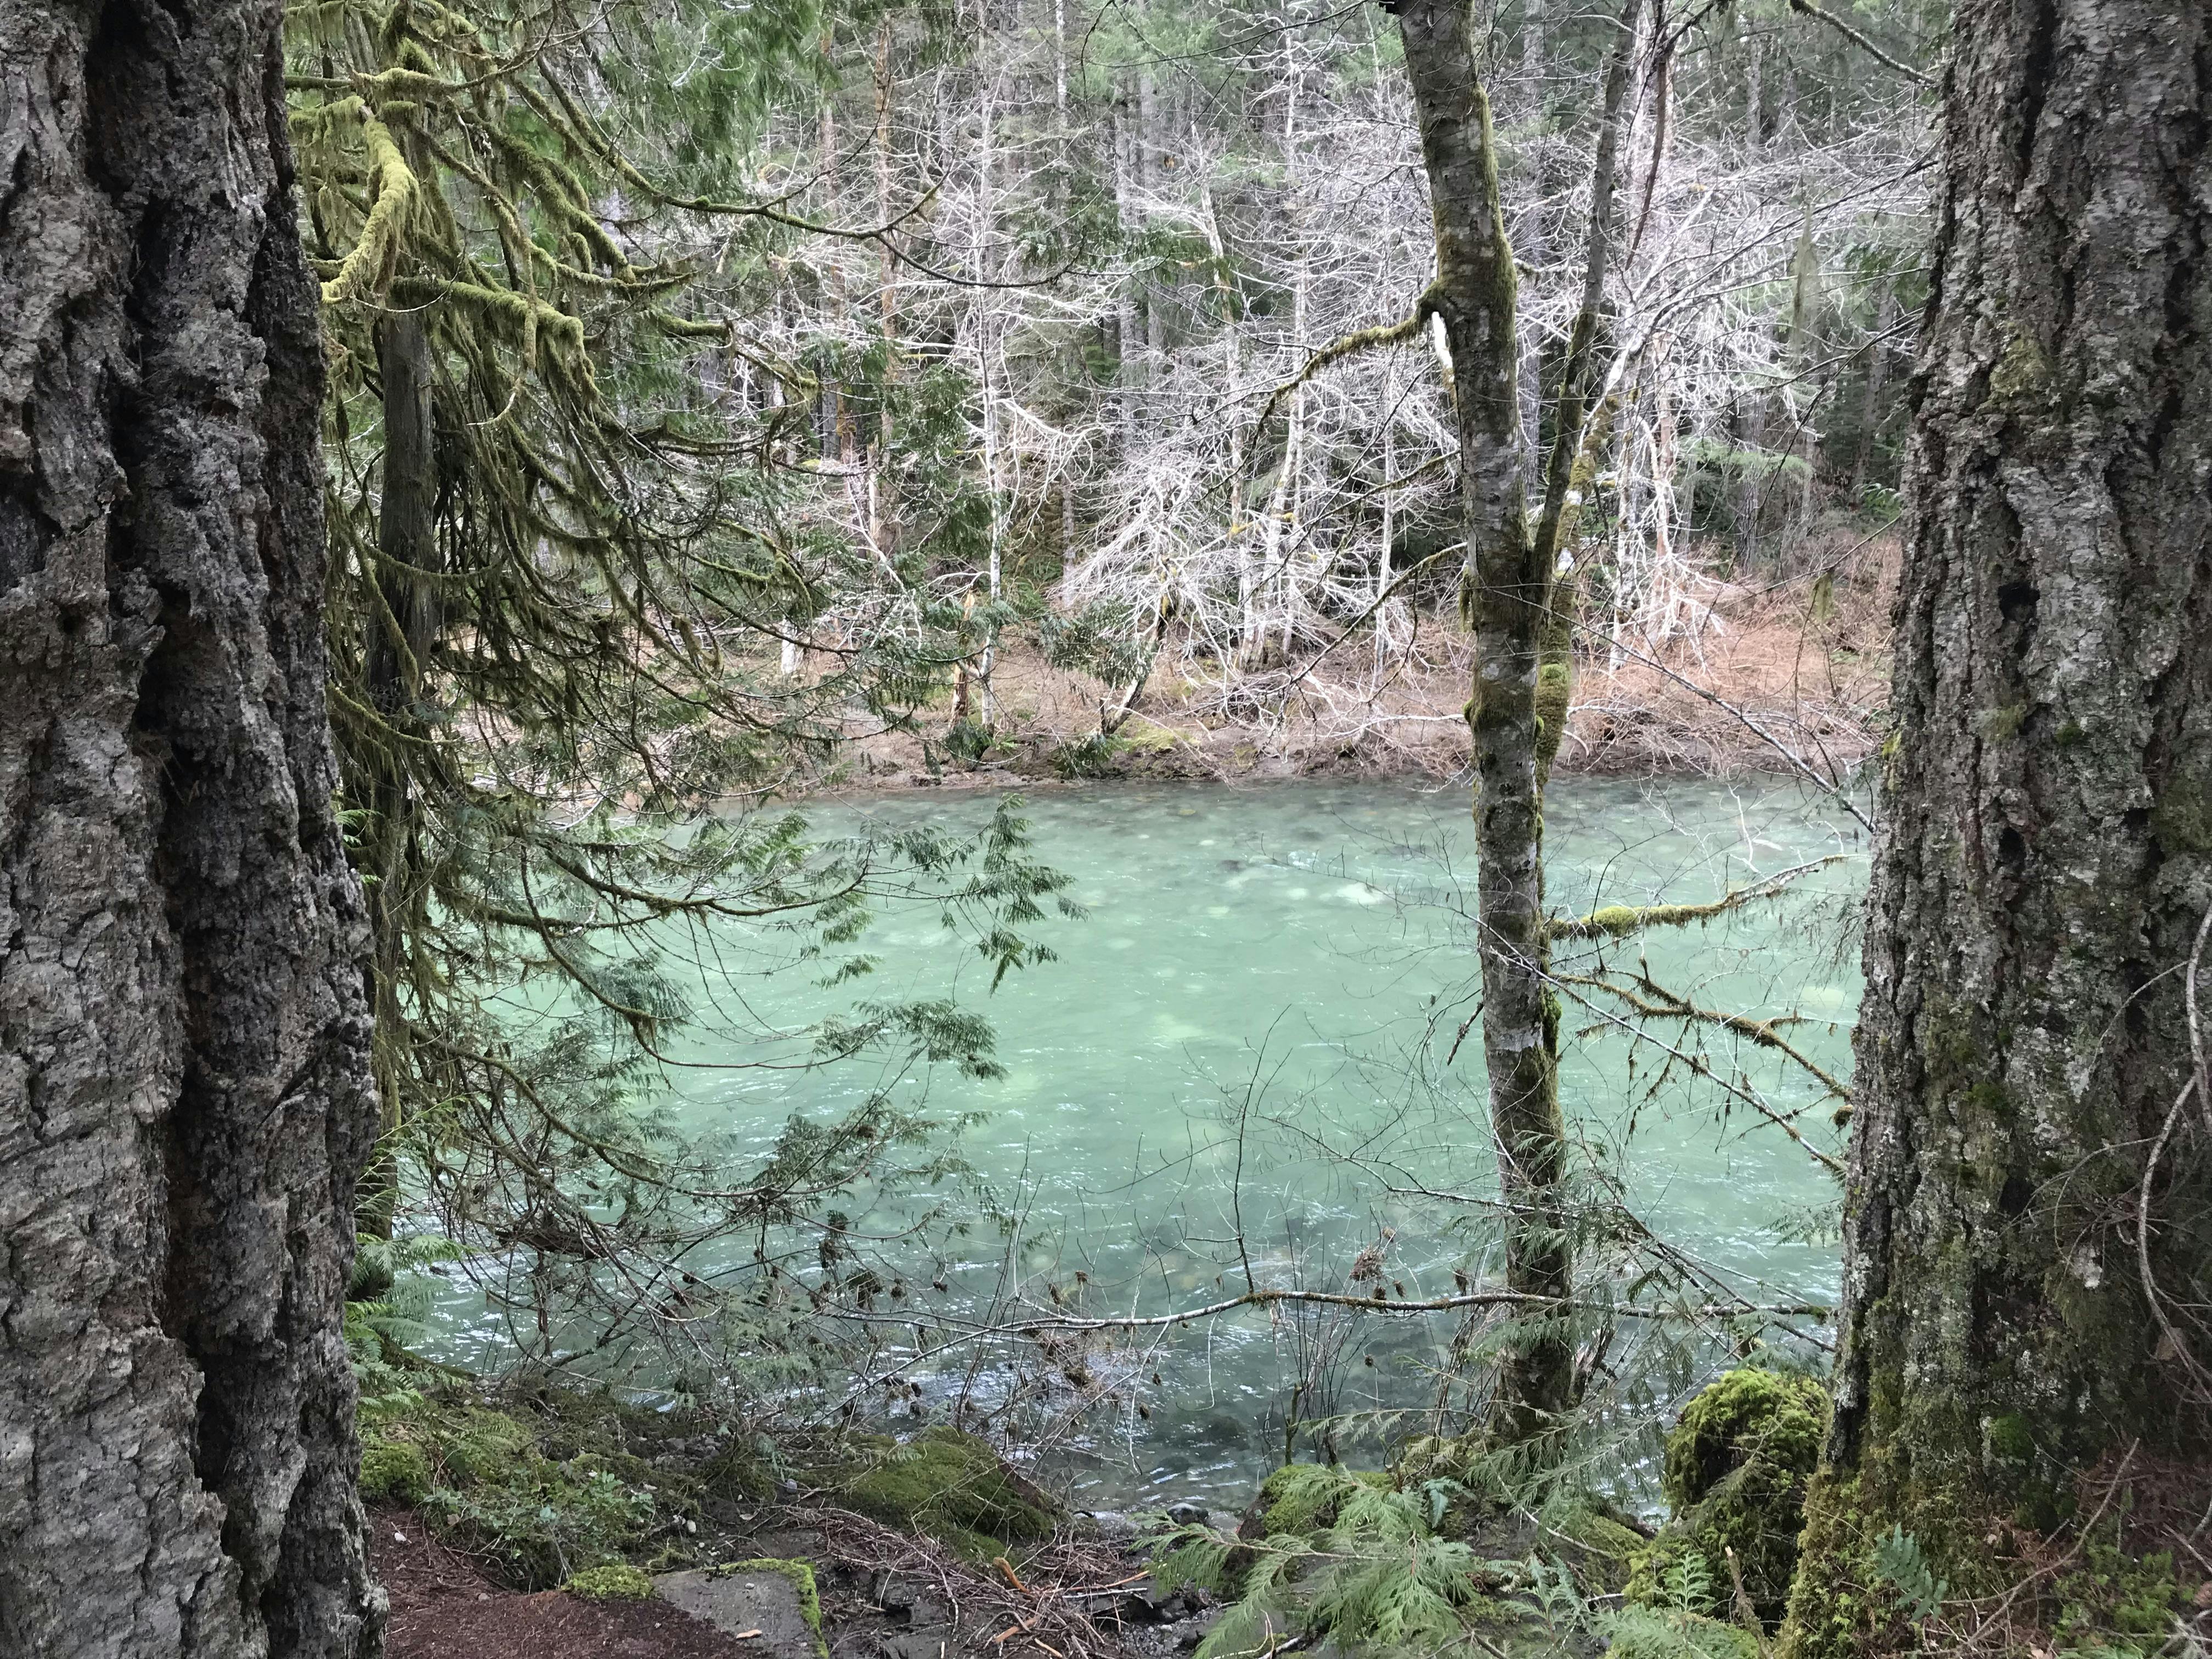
(1367, 1563)
(548, 1484)
(1435, 1554)
(542, 1496)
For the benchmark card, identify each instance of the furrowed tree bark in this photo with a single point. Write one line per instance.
(1506, 594)
(184, 1100)
(2046, 856)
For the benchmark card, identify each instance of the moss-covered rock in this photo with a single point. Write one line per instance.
(618, 1582)
(1602, 1547)
(1734, 1477)
(1745, 1416)
(394, 1471)
(1302, 1497)
(801, 1575)
(952, 1485)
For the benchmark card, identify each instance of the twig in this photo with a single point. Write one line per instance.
(1263, 1298)
(1810, 9)
(1796, 760)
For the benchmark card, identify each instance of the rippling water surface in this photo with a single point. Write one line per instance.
(1270, 980)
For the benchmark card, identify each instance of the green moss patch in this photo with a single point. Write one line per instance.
(394, 1471)
(619, 1582)
(952, 1485)
(1735, 1474)
(801, 1574)
(547, 1498)
(1638, 1633)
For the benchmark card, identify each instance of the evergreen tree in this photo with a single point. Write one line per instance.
(570, 568)
(2028, 1246)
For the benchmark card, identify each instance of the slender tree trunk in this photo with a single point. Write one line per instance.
(185, 1103)
(883, 504)
(989, 377)
(1507, 590)
(1128, 365)
(1388, 420)
(399, 644)
(1754, 97)
(1059, 74)
(1232, 335)
(2025, 1155)
(1877, 369)
(1145, 152)
(1750, 483)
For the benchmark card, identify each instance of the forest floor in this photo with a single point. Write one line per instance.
(1733, 675)
(882, 1595)
(545, 1522)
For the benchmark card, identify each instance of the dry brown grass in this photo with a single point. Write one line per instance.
(1800, 663)
(1805, 659)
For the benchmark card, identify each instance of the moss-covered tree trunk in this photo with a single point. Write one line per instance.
(2047, 848)
(185, 1098)
(402, 629)
(1507, 592)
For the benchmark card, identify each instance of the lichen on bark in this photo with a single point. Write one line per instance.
(2023, 1040)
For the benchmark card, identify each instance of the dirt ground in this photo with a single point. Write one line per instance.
(885, 1594)
(443, 1607)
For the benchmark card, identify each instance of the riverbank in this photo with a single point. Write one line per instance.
(1732, 678)
(511, 1522)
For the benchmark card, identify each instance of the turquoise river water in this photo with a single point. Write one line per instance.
(1241, 1054)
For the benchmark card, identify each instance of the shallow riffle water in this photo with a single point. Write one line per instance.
(1240, 1056)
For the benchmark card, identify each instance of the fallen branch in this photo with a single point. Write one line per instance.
(1264, 1298)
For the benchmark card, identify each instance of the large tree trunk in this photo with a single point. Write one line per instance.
(1507, 595)
(184, 1095)
(2047, 848)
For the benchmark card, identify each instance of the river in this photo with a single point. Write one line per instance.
(1240, 1056)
